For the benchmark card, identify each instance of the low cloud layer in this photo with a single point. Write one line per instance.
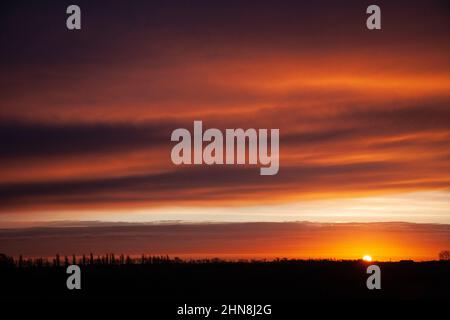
(384, 241)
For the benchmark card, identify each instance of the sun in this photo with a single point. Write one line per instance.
(367, 258)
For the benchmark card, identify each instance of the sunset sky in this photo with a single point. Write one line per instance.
(364, 116)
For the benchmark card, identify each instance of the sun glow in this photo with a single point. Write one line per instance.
(367, 258)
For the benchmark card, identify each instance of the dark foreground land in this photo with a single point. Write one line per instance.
(219, 281)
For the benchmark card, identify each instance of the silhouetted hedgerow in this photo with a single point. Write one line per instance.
(111, 259)
(161, 278)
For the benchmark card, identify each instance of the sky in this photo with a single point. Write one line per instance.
(383, 241)
(86, 116)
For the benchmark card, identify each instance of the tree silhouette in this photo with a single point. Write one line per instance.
(444, 255)
(6, 260)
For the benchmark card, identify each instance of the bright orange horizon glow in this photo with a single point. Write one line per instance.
(341, 241)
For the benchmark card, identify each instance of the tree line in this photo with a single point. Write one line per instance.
(112, 259)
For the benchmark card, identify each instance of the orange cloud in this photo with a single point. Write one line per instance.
(85, 123)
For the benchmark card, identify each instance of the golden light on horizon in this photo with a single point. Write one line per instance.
(367, 258)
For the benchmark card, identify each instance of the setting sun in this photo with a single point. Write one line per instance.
(367, 258)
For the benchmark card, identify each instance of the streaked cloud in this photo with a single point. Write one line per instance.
(86, 118)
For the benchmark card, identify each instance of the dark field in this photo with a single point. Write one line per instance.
(159, 279)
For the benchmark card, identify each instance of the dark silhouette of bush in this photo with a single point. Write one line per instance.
(6, 261)
(444, 255)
